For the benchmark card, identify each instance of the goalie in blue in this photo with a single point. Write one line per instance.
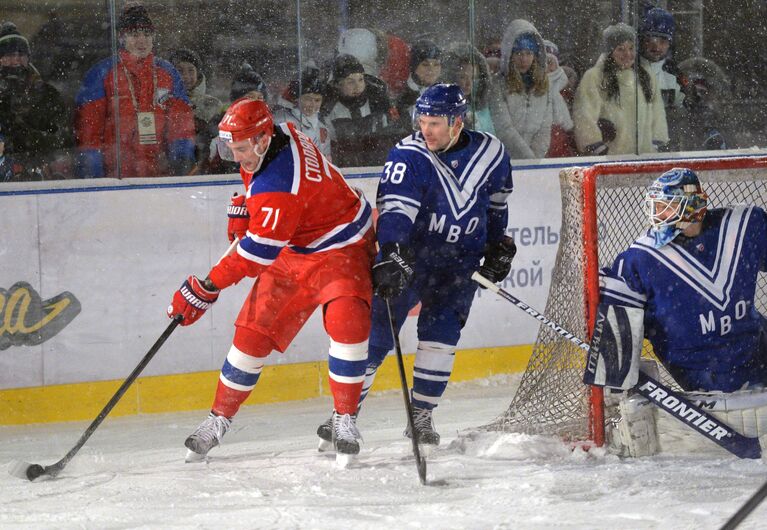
(692, 277)
(694, 274)
(442, 211)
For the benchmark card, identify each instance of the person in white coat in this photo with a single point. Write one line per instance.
(521, 102)
(616, 110)
(301, 105)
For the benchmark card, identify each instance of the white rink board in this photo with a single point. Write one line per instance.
(123, 247)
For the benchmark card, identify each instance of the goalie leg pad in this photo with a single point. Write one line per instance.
(616, 346)
(634, 432)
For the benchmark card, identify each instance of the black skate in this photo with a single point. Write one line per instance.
(325, 434)
(346, 438)
(426, 436)
(207, 436)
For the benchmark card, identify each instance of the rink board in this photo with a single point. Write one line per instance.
(87, 269)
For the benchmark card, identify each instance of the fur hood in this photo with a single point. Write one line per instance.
(515, 29)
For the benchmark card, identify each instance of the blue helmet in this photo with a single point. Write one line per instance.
(674, 201)
(658, 22)
(441, 99)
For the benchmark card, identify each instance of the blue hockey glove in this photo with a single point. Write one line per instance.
(394, 272)
(498, 257)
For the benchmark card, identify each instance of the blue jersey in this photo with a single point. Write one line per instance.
(698, 298)
(445, 206)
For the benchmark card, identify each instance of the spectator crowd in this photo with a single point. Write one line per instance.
(138, 115)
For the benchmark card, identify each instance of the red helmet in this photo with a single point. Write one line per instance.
(244, 119)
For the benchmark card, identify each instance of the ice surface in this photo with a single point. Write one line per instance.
(268, 474)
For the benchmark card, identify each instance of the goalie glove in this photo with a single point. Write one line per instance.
(498, 257)
(239, 218)
(394, 272)
(193, 298)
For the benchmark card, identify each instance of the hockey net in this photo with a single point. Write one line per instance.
(602, 214)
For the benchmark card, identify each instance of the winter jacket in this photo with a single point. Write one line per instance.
(522, 120)
(33, 116)
(360, 130)
(631, 114)
(314, 128)
(173, 150)
(666, 80)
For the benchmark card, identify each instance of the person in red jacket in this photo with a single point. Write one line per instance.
(308, 239)
(156, 125)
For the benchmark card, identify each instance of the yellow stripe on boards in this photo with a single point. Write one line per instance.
(172, 393)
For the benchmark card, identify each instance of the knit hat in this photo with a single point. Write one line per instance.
(658, 22)
(422, 50)
(185, 55)
(11, 40)
(247, 80)
(525, 42)
(134, 17)
(615, 35)
(310, 84)
(362, 44)
(345, 65)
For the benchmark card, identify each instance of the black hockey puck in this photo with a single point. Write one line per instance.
(34, 471)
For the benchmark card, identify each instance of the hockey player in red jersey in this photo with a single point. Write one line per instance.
(308, 241)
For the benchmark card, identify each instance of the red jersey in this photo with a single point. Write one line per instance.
(297, 200)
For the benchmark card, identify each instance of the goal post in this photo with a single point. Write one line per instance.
(602, 214)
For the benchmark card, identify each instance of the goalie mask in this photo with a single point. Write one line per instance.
(674, 201)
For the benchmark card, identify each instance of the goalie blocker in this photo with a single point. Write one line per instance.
(614, 361)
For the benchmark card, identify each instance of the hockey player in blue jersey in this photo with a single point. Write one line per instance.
(442, 209)
(694, 274)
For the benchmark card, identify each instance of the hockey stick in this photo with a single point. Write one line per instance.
(419, 461)
(748, 507)
(659, 394)
(31, 472)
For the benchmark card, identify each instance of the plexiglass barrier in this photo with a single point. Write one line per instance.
(136, 89)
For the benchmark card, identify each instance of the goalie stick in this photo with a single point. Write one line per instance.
(659, 394)
(32, 472)
(420, 462)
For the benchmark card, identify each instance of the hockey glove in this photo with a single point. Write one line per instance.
(192, 300)
(498, 257)
(394, 272)
(238, 218)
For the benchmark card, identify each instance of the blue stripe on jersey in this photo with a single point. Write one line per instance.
(416, 369)
(276, 177)
(343, 235)
(346, 368)
(240, 377)
(261, 248)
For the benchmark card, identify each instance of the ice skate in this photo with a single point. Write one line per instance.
(207, 436)
(426, 436)
(346, 438)
(325, 434)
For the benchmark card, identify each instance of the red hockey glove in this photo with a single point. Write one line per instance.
(498, 257)
(192, 300)
(238, 217)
